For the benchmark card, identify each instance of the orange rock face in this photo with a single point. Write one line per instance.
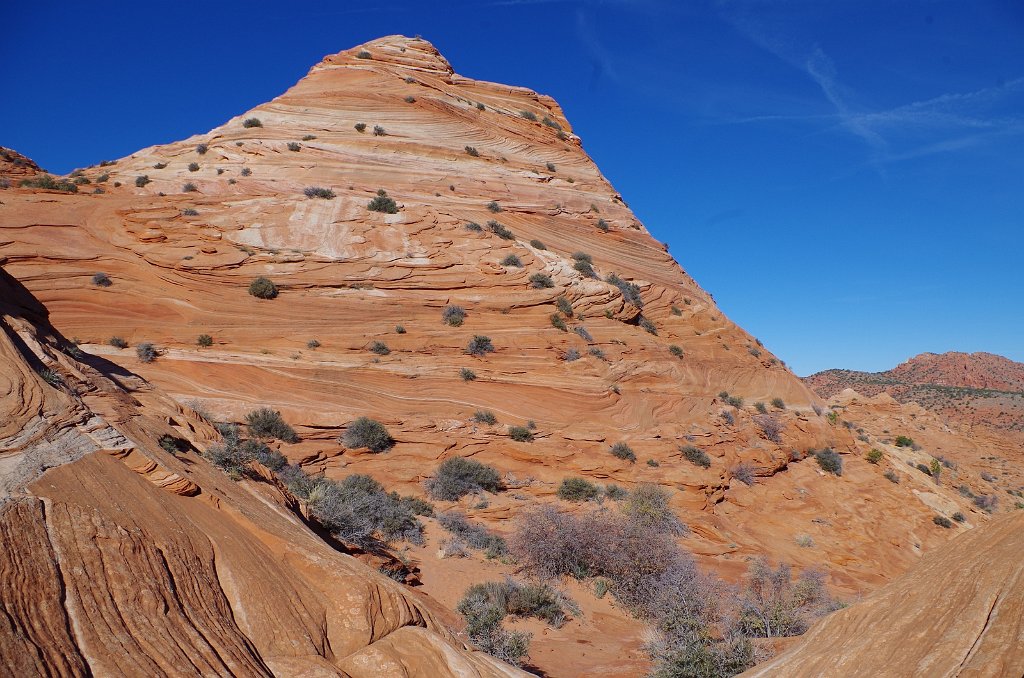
(635, 351)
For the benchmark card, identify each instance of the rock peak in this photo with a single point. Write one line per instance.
(393, 50)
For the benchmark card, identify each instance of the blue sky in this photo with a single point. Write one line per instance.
(846, 177)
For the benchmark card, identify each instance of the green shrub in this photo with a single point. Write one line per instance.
(360, 126)
(118, 342)
(146, 352)
(695, 456)
(541, 281)
(473, 226)
(480, 345)
(586, 268)
(485, 417)
(379, 131)
(252, 122)
(676, 310)
(564, 305)
(959, 517)
(676, 351)
(904, 441)
(382, 203)
(312, 344)
(558, 323)
(630, 291)
(942, 521)
(891, 476)
(467, 374)
(357, 509)
(647, 325)
(363, 54)
(623, 451)
(475, 536)
(380, 348)
(189, 188)
(520, 434)
(293, 146)
(189, 212)
(246, 172)
(193, 167)
(829, 461)
(778, 403)
(142, 180)
(615, 492)
(267, 423)
(874, 456)
(493, 206)
(453, 315)
(500, 230)
(47, 182)
(472, 151)
(603, 225)
(529, 115)
(512, 260)
(761, 407)
(319, 192)
(204, 340)
(366, 432)
(648, 506)
(263, 288)
(577, 489)
(457, 476)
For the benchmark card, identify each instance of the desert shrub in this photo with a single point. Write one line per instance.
(480, 345)
(146, 352)
(774, 605)
(541, 281)
(494, 207)
(101, 280)
(582, 256)
(267, 423)
(771, 428)
(472, 151)
(558, 323)
(615, 492)
(695, 456)
(986, 502)
(602, 224)
(829, 461)
(512, 260)
(551, 167)
(676, 310)
(360, 126)
(357, 509)
(193, 167)
(485, 417)
(778, 403)
(204, 340)
(575, 489)
(986, 476)
(246, 172)
(382, 203)
(675, 350)
(647, 325)
(49, 183)
(564, 305)
(520, 434)
(942, 521)
(804, 541)
(959, 517)
(586, 268)
(924, 469)
(142, 180)
(476, 536)
(484, 606)
(630, 291)
(648, 505)
(319, 192)
(734, 401)
(528, 115)
(621, 450)
(379, 131)
(892, 477)
(263, 288)
(874, 456)
(189, 188)
(761, 407)
(309, 137)
(399, 329)
(189, 212)
(904, 441)
(51, 377)
(457, 476)
(500, 230)
(369, 433)
(453, 315)
(118, 342)
(467, 374)
(312, 344)
(473, 226)
(363, 54)
(537, 244)
(252, 122)
(727, 417)
(294, 146)
(744, 472)
(380, 348)
(572, 355)
(582, 331)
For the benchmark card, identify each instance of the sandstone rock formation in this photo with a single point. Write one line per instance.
(599, 337)
(119, 558)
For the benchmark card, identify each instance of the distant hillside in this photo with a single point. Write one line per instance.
(972, 388)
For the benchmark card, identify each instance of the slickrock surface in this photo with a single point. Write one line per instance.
(959, 612)
(119, 558)
(180, 262)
